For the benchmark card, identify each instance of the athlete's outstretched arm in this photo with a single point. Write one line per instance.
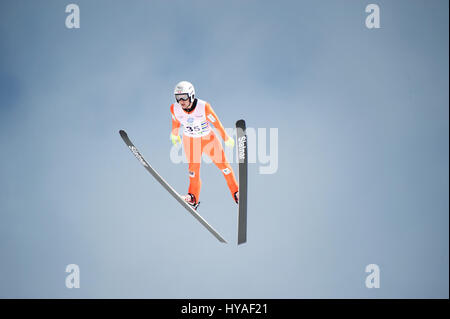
(174, 137)
(214, 120)
(175, 123)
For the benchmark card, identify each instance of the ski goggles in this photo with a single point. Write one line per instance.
(183, 97)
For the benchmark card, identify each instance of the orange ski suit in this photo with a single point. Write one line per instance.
(205, 142)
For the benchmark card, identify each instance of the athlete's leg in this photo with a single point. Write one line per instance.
(193, 151)
(215, 151)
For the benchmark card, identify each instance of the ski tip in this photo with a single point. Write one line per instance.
(240, 123)
(122, 133)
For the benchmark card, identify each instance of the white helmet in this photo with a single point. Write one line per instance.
(184, 90)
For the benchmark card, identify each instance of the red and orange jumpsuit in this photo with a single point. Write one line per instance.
(199, 138)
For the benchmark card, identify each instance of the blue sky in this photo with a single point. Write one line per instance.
(362, 119)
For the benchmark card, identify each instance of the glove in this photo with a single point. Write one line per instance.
(229, 142)
(175, 139)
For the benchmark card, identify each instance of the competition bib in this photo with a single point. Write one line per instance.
(195, 123)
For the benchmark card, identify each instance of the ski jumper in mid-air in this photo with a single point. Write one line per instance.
(198, 137)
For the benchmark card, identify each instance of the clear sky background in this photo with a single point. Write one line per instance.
(363, 133)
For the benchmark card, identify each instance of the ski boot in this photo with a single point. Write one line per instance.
(190, 199)
(236, 197)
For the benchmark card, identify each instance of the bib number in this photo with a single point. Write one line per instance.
(194, 130)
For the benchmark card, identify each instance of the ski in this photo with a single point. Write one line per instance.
(243, 165)
(171, 191)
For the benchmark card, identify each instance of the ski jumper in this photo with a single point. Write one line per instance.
(199, 138)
